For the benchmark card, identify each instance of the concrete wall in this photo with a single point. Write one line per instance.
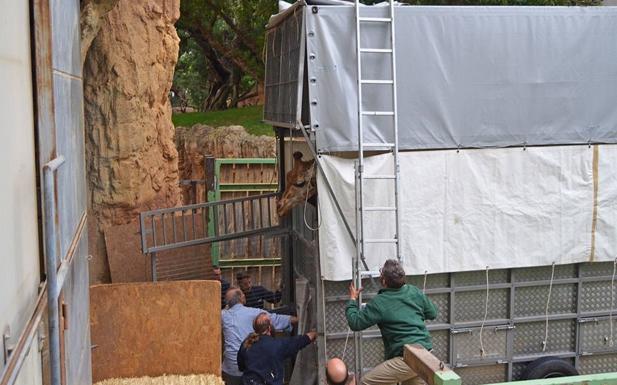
(19, 254)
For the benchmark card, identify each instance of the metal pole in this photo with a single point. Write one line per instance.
(153, 265)
(356, 273)
(51, 262)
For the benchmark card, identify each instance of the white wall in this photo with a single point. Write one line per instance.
(19, 251)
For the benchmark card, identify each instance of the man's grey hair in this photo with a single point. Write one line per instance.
(393, 274)
(234, 298)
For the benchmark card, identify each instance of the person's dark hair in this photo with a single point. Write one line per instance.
(261, 325)
(330, 381)
(393, 274)
(234, 297)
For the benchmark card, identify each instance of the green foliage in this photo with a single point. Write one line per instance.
(190, 77)
(228, 35)
(248, 117)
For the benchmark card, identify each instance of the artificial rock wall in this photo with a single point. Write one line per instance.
(132, 159)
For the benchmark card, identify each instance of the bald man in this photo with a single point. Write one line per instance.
(337, 373)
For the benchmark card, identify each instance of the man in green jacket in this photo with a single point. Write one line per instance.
(400, 311)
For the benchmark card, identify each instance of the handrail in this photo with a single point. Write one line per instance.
(18, 356)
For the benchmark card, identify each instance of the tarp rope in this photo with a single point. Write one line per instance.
(482, 352)
(346, 340)
(306, 203)
(424, 284)
(610, 314)
(548, 302)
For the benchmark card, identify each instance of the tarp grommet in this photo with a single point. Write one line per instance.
(315, 9)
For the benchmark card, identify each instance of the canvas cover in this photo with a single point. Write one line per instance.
(460, 211)
(467, 77)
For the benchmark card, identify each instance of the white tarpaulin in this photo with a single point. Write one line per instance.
(467, 76)
(466, 210)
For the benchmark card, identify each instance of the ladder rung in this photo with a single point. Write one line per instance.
(374, 81)
(388, 145)
(380, 208)
(370, 273)
(376, 50)
(379, 176)
(381, 240)
(375, 19)
(378, 113)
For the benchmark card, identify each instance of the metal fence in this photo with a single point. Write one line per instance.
(205, 223)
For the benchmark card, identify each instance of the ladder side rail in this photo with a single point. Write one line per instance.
(359, 193)
(397, 202)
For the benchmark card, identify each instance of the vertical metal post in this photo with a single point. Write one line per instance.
(210, 195)
(356, 276)
(395, 154)
(51, 266)
(153, 266)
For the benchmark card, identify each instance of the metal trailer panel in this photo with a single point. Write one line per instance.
(21, 308)
(285, 70)
(515, 326)
(61, 135)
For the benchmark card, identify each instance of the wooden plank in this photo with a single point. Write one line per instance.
(126, 262)
(151, 329)
(423, 362)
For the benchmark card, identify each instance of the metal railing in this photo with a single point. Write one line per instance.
(203, 223)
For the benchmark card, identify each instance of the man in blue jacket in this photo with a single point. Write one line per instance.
(237, 322)
(261, 357)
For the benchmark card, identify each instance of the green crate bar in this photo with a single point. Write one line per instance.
(214, 194)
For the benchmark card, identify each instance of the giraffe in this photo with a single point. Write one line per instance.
(300, 185)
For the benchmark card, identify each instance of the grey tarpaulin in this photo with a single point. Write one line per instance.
(467, 76)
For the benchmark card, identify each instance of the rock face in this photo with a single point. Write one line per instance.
(132, 160)
(222, 142)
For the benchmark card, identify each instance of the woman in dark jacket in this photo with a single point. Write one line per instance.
(261, 357)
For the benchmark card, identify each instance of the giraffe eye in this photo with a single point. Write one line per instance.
(301, 184)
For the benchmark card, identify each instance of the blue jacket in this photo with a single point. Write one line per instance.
(263, 363)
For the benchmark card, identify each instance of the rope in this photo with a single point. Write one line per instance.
(424, 284)
(306, 204)
(548, 302)
(610, 314)
(482, 353)
(345, 347)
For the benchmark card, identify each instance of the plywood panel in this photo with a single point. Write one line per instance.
(151, 329)
(126, 262)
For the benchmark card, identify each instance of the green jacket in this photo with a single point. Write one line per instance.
(400, 315)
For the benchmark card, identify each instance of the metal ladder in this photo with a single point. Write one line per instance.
(362, 238)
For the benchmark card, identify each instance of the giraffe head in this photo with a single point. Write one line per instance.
(299, 182)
